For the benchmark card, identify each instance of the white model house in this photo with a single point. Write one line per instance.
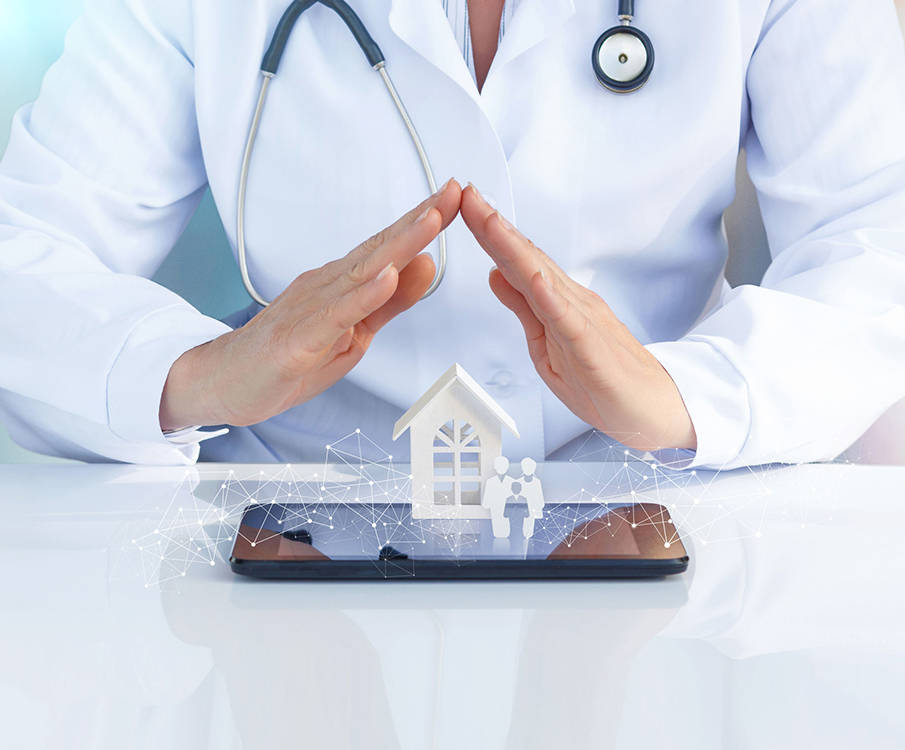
(456, 431)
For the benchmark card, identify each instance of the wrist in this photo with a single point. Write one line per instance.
(680, 432)
(188, 396)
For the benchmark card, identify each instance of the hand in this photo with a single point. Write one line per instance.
(586, 356)
(314, 333)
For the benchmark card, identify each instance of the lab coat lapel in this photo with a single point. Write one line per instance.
(532, 22)
(424, 27)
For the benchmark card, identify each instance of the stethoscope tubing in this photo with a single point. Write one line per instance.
(269, 69)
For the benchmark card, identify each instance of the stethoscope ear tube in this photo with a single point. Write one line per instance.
(274, 54)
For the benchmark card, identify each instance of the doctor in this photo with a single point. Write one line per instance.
(599, 211)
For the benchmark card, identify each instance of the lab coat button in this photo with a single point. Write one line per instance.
(502, 382)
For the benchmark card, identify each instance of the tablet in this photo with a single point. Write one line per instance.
(360, 541)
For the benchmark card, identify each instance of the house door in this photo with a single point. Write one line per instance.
(457, 464)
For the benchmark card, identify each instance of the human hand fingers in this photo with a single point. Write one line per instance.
(414, 280)
(570, 325)
(516, 302)
(366, 309)
(546, 353)
(398, 244)
(351, 346)
(317, 333)
(515, 255)
(543, 347)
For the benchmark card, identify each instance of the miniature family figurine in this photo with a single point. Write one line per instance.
(501, 488)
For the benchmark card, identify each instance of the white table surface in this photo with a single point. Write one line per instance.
(787, 631)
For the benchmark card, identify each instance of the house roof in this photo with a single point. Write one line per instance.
(453, 374)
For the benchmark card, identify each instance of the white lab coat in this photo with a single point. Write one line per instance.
(151, 102)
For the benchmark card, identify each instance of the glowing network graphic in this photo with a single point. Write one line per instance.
(201, 521)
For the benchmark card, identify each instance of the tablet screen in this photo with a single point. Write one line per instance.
(375, 531)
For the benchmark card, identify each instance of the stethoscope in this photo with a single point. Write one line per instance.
(623, 59)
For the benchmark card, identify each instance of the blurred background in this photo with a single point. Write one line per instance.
(201, 267)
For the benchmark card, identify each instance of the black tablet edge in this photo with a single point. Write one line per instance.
(458, 570)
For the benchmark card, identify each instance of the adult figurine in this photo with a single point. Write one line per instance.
(497, 490)
(534, 496)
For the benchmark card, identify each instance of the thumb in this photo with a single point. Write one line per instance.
(414, 280)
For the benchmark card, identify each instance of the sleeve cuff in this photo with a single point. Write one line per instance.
(716, 396)
(192, 435)
(135, 382)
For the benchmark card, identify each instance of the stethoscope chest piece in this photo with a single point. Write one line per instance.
(623, 56)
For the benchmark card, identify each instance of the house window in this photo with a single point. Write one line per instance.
(457, 464)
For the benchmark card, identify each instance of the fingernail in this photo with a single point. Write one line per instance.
(445, 185)
(478, 192)
(384, 272)
(424, 214)
(494, 268)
